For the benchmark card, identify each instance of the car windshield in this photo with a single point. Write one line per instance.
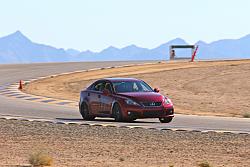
(131, 86)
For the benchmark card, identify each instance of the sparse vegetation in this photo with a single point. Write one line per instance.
(246, 115)
(204, 164)
(233, 64)
(121, 159)
(40, 159)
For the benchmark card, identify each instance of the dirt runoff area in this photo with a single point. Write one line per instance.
(220, 88)
(82, 145)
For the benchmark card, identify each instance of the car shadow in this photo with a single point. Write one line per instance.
(104, 120)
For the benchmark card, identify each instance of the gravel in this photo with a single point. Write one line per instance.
(83, 145)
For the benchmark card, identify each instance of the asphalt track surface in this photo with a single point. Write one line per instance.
(18, 108)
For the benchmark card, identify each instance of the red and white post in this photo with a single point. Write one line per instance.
(194, 54)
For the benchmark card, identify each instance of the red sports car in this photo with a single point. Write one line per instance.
(124, 99)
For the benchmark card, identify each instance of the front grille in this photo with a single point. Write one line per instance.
(153, 113)
(151, 104)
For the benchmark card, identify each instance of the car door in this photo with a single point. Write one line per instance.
(107, 100)
(94, 97)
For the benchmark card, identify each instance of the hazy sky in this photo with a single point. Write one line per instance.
(97, 24)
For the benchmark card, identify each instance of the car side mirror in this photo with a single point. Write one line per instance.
(157, 90)
(106, 92)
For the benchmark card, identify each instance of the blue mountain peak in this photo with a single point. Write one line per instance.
(17, 36)
(200, 42)
(178, 41)
(131, 47)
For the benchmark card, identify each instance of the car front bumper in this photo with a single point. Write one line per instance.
(149, 112)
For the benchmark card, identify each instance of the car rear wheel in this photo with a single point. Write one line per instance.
(117, 112)
(85, 113)
(166, 119)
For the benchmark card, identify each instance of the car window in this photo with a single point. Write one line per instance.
(99, 86)
(135, 87)
(108, 87)
(131, 86)
(145, 87)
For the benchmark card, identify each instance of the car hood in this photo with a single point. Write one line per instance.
(143, 96)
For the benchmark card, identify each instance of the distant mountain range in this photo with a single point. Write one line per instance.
(17, 48)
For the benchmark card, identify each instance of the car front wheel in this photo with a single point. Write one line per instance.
(166, 119)
(117, 112)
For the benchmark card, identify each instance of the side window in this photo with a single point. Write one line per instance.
(99, 86)
(108, 87)
(144, 88)
(135, 87)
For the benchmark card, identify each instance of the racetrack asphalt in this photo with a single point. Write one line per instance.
(14, 107)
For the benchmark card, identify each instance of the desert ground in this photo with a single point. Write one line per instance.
(220, 88)
(82, 145)
(203, 88)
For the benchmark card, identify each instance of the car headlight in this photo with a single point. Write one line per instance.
(167, 101)
(131, 102)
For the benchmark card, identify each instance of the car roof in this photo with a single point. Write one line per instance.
(121, 79)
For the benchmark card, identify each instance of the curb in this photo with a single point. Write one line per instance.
(92, 123)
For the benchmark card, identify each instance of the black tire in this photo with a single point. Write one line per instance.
(117, 112)
(166, 119)
(85, 112)
(131, 119)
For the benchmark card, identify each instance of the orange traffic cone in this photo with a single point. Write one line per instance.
(20, 85)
